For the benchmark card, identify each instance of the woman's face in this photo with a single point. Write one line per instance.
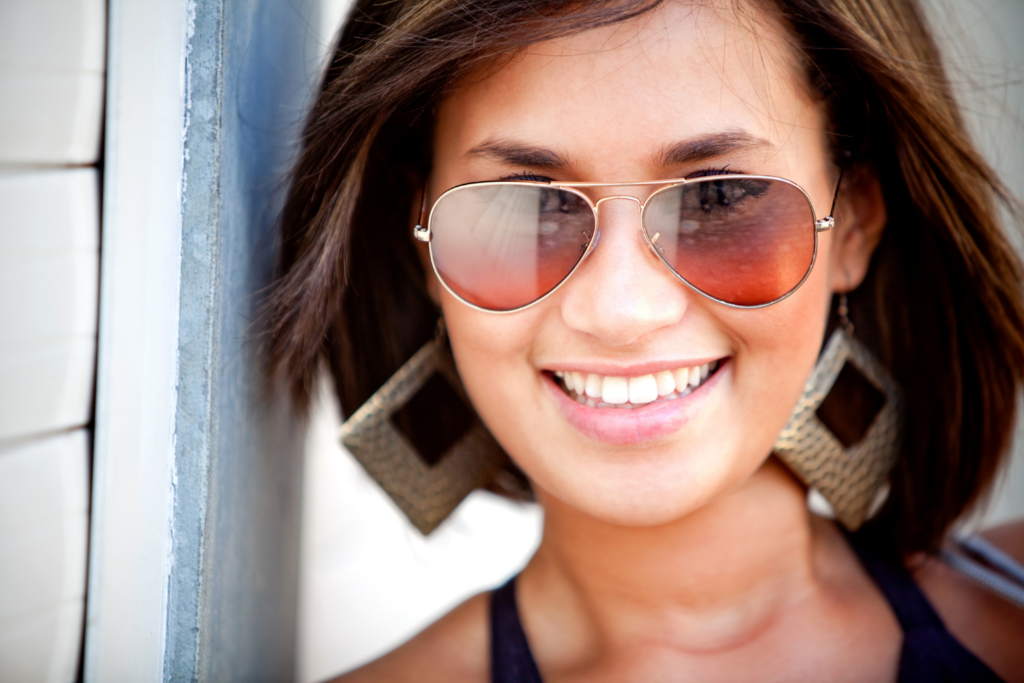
(606, 106)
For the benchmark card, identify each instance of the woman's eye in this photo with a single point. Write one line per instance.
(728, 193)
(561, 202)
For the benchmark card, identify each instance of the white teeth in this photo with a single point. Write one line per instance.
(632, 392)
(615, 390)
(666, 383)
(642, 389)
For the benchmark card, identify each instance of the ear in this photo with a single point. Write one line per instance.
(423, 251)
(860, 218)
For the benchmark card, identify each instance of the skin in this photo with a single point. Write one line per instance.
(686, 553)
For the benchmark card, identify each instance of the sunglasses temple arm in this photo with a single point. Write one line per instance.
(832, 211)
(419, 232)
(829, 221)
(423, 203)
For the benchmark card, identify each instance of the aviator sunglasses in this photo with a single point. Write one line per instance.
(746, 241)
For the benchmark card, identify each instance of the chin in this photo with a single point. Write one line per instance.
(648, 498)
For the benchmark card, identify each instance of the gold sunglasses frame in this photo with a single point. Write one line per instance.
(423, 232)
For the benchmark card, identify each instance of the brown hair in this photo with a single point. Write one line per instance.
(941, 305)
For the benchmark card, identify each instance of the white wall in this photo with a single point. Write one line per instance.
(51, 101)
(984, 51)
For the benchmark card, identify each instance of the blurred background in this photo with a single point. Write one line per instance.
(160, 519)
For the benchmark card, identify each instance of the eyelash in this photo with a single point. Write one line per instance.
(711, 171)
(704, 172)
(525, 175)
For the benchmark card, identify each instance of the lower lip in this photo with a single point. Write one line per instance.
(624, 426)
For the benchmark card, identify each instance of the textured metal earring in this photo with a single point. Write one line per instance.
(846, 431)
(426, 487)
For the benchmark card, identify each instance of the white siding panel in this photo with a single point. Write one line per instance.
(59, 34)
(52, 297)
(43, 535)
(42, 647)
(46, 387)
(43, 480)
(49, 224)
(51, 81)
(49, 116)
(42, 564)
(48, 211)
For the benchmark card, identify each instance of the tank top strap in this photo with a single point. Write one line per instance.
(912, 609)
(511, 659)
(930, 652)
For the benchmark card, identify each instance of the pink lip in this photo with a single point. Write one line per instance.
(623, 427)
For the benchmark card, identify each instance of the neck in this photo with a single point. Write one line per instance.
(713, 579)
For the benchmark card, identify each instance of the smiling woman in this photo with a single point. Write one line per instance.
(637, 223)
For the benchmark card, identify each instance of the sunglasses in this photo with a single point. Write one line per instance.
(746, 241)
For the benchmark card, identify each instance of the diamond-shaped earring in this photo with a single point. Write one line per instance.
(426, 487)
(846, 431)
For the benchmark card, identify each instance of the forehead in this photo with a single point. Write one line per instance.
(611, 100)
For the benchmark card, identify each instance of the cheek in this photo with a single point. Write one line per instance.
(492, 352)
(777, 348)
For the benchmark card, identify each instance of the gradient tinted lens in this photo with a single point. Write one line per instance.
(744, 240)
(502, 246)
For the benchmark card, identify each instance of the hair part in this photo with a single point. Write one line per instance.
(941, 304)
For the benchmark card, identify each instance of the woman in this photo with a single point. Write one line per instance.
(658, 376)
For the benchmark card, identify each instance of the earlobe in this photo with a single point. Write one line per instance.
(860, 220)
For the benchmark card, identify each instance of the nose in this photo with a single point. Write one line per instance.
(622, 292)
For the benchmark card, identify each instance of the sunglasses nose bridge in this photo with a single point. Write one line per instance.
(639, 205)
(597, 204)
(639, 210)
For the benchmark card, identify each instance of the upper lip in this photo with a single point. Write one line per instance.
(614, 369)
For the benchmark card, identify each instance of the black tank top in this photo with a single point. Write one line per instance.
(930, 653)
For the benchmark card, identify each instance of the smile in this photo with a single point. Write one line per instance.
(607, 391)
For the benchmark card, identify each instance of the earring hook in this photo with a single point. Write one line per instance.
(844, 308)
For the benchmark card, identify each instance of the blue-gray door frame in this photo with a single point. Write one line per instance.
(233, 587)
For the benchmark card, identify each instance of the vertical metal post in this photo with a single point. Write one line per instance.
(238, 461)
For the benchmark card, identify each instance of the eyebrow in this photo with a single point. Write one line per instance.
(519, 154)
(709, 147)
(514, 153)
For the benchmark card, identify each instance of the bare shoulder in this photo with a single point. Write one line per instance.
(453, 649)
(989, 626)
